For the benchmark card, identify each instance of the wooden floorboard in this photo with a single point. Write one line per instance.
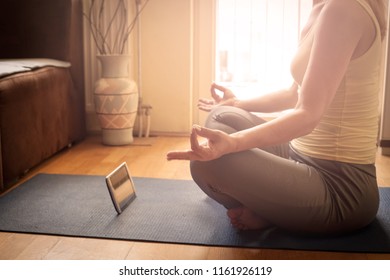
(146, 158)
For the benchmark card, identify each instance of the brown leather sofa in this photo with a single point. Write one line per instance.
(41, 111)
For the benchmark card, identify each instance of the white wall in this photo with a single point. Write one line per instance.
(177, 61)
(384, 137)
(166, 41)
(385, 124)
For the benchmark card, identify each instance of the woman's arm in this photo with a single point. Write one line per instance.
(271, 102)
(341, 31)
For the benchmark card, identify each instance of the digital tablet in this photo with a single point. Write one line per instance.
(121, 187)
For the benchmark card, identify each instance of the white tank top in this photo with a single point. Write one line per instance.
(348, 130)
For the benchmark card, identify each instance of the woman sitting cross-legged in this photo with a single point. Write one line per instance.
(312, 169)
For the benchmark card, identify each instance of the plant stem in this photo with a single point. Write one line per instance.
(132, 24)
(101, 35)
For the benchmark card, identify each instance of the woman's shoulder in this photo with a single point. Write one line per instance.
(342, 10)
(344, 15)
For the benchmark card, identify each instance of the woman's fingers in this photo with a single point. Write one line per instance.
(206, 101)
(217, 99)
(205, 132)
(214, 144)
(196, 152)
(183, 155)
(214, 94)
(194, 138)
(206, 108)
(206, 104)
(218, 87)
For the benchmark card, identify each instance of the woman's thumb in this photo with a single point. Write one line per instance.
(204, 131)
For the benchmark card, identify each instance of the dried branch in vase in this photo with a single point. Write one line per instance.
(107, 20)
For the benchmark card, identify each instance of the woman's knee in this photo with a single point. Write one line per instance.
(206, 175)
(231, 119)
(199, 172)
(203, 173)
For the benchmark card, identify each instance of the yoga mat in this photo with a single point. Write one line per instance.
(170, 211)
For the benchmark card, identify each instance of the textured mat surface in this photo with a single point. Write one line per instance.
(172, 211)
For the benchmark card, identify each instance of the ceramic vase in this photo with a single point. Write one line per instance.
(116, 100)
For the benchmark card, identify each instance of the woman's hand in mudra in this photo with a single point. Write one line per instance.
(216, 143)
(228, 98)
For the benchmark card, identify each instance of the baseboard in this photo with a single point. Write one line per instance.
(92, 122)
(93, 128)
(385, 151)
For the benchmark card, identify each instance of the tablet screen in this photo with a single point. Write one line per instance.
(121, 187)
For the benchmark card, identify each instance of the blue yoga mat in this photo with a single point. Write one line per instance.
(170, 211)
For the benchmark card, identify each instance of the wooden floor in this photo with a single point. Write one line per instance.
(145, 158)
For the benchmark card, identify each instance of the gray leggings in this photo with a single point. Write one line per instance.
(289, 190)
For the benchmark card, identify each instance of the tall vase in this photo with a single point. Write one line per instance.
(116, 100)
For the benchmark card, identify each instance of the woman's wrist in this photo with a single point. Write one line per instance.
(236, 102)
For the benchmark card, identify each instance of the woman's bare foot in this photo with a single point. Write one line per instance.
(243, 218)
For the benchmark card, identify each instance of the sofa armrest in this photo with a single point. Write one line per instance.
(1, 167)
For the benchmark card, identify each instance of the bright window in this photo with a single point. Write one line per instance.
(256, 40)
